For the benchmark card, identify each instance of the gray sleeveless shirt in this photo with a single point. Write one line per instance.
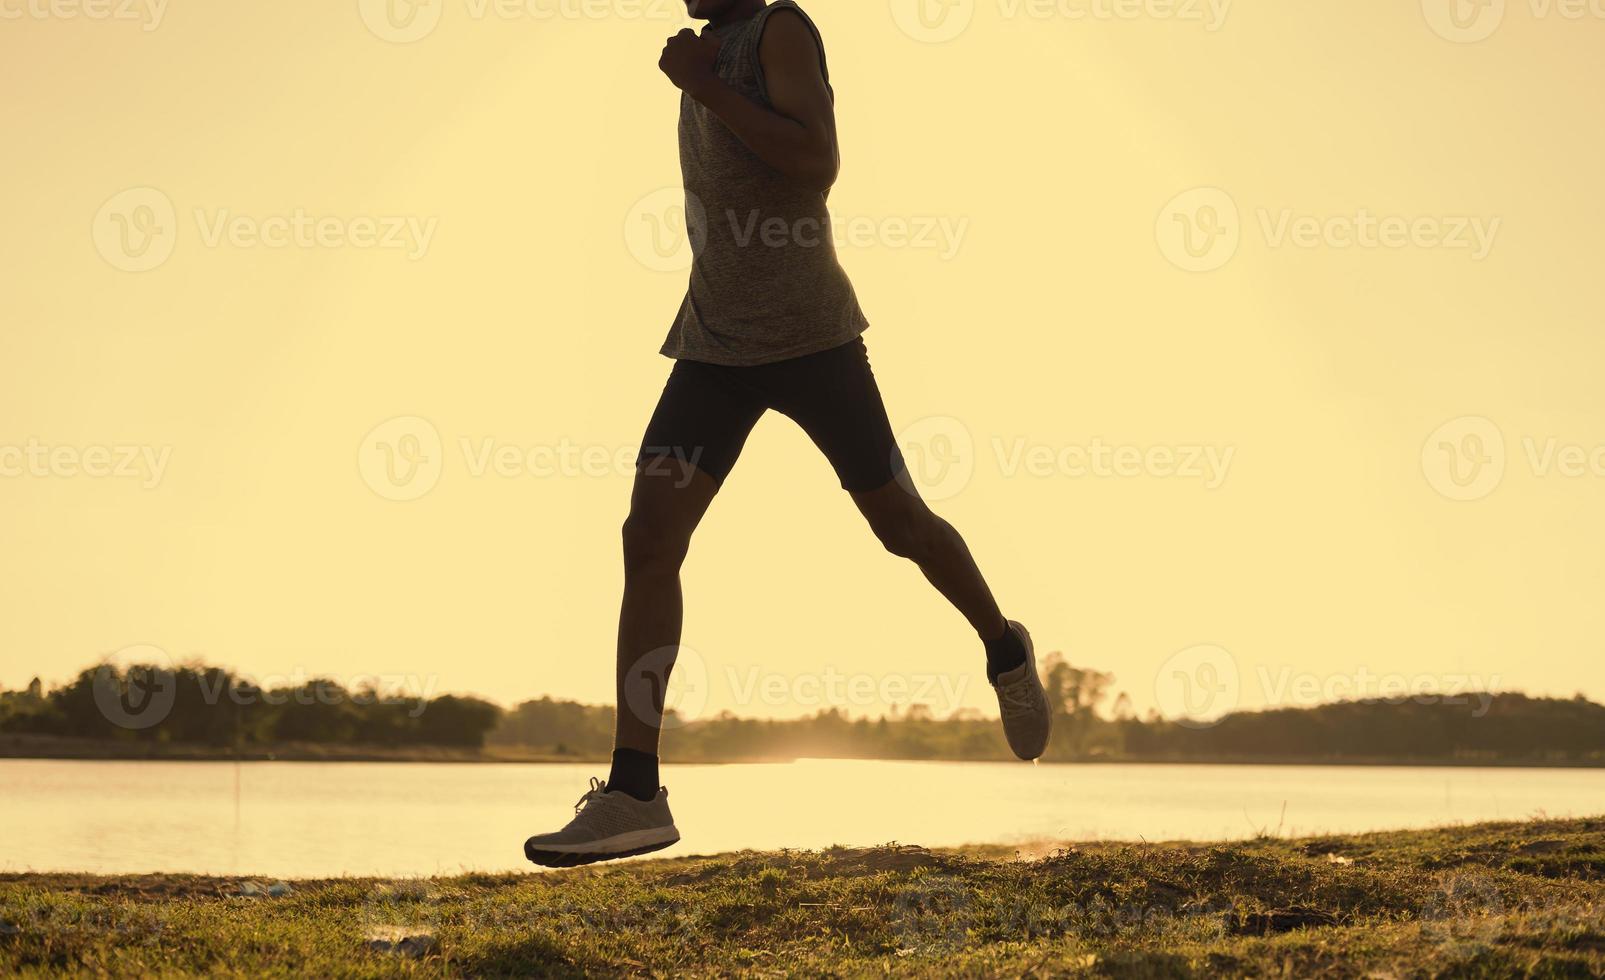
(765, 283)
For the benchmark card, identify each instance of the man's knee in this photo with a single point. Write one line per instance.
(913, 533)
(649, 547)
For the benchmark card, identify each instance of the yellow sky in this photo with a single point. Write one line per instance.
(456, 229)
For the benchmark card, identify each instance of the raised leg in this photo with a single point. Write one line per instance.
(909, 529)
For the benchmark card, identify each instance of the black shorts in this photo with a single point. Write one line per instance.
(707, 410)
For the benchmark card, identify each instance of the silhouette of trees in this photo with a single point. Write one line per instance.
(209, 706)
(1074, 693)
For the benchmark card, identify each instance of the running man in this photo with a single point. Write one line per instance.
(770, 322)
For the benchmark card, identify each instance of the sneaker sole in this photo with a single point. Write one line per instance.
(572, 856)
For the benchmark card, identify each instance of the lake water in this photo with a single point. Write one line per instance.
(305, 820)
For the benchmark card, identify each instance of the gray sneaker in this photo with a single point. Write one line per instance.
(1027, 719)
(606, 826)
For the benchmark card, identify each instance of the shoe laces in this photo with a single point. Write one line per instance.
(1018, 698)
(594, 793)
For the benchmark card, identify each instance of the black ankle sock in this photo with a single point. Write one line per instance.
(1004, 654)
(635, 773)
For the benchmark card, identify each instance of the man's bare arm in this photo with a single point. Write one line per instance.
(798, 136)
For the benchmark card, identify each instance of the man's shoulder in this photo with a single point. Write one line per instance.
(789, 11)
(787, 29)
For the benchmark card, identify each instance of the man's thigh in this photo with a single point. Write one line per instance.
(833, 396)
(702, 421)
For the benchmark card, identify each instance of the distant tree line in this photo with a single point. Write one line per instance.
(1495, 728)
(1515, 728)
(209, 706)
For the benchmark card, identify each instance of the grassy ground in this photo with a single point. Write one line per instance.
(1495, 900)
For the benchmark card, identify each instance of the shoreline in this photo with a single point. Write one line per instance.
(49, 748)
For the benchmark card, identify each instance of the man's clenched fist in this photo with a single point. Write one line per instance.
(688, 60)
